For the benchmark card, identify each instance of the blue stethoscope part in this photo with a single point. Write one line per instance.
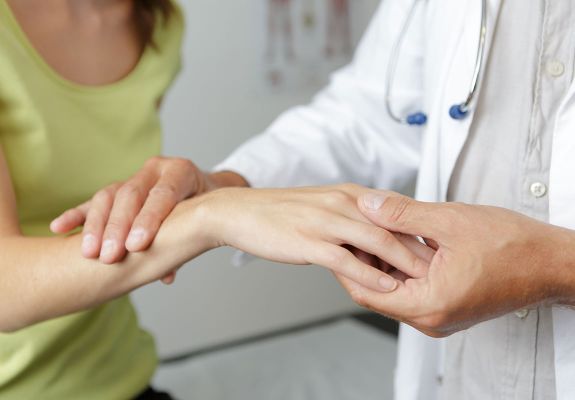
(416, 119)
(456, 112)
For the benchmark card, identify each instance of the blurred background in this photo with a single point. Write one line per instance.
(261, 331)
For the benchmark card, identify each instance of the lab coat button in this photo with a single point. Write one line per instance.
(555, 68)
(538, 189)
(522, 313)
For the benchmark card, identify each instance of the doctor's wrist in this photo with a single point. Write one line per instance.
(221, 179)
(563, 258)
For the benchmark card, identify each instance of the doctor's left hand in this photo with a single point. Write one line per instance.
(126, 216)
(488, 261)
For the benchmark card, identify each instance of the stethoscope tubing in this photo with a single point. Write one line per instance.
(457, 111)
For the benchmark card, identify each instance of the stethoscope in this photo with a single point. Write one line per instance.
(456, 111)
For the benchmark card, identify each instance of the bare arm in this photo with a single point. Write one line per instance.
(43, 278)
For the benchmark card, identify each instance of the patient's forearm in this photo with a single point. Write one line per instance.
(44, 278)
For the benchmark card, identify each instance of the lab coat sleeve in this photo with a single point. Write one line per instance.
(345, 134)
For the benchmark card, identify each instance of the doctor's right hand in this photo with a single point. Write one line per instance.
(126, 216)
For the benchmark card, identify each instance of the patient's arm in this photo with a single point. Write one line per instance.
(43, 278)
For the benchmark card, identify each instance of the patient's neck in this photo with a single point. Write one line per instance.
(90, 42)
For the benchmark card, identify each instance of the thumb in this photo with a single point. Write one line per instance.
(399, 213)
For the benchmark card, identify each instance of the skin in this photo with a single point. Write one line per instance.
(465, 275)
(474, 274)
(126, 216)
(41, 275)
(96, 43)
(311, 228)
(90, 42)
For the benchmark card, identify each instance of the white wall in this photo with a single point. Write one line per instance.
(216, 104)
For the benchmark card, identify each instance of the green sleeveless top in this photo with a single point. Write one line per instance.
(63, 142)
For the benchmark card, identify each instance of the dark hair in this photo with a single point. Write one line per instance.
(148, 14)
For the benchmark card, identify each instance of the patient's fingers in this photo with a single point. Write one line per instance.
(420, 249)
(384, 245)
(343, 262)
(70, 219)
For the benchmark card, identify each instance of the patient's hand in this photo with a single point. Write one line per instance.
(304, 226)
(126, 216)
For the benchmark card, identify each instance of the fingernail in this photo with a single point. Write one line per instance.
(372, 201)
(135, 237)
(108, 249)
(88, 243)
(54, 224)
(387, 283)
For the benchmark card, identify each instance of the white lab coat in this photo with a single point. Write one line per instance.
(346, 135)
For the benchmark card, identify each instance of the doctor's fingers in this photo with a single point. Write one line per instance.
(386, 246)
(70, 219)
(173, 186)
(128, 202)
(96, 217)
(400, 213)
(402, 304)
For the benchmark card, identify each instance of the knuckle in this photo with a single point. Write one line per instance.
(164, 190)
(337, 198)
(130, 190)
(113, 226)
(147, 217)
(183, 164)
(350, 187)
(154, 161)
(104, 196)
(334, 258)
(358, 297)
(382, 237)
(398, 208)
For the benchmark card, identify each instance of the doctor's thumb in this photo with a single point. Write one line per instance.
(395, 212)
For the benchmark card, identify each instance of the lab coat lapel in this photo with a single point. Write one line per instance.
(453, 133)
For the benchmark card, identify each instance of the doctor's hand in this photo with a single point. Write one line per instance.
(488, 261)
(302, 226)
(126, 216)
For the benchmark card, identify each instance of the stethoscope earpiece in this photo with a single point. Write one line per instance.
(416, 119)
(458, 111)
